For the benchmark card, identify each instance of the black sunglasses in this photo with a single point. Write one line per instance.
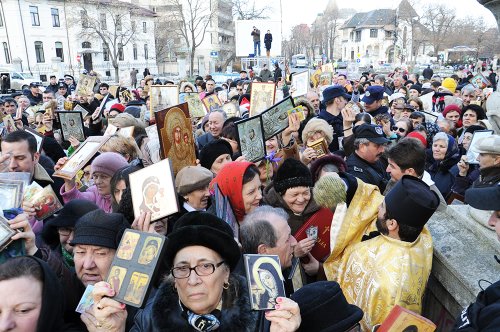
(396, 128)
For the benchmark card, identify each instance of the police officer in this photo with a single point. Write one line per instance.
(335, 99)
(373, 101)
(365, 163)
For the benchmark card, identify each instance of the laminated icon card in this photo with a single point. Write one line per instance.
(161, 97)
(320, 147)
(81, 157)
(135, 266)
(176, 136)
(11, 193)
(251, 138)
(265, 280)
(153, 190)
(275, 119)
(196, 108)
(71, 125)
(85, 86)
(45, 203)
(300, 83)
(401, 319)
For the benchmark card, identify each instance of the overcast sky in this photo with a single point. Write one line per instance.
(305, 11)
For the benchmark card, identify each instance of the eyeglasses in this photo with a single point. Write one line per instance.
(201, 270)
(396, 128)
(65, 231)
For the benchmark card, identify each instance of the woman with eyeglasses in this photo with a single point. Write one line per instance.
(402, 128)
(201, 292)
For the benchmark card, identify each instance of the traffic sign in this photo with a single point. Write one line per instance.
(214, 54)
(358, 60)
(78, 57)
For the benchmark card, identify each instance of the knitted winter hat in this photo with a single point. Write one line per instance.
(98, 228)
(329, 190)
(450, 84)
(108, 163)
(292, 173)
(213, 150)
(451, 108)
(117, 107)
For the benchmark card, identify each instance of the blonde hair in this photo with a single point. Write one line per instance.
(126, 146)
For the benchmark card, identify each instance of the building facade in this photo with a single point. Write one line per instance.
(45, 37)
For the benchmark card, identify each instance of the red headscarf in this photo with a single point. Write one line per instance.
(230, 183)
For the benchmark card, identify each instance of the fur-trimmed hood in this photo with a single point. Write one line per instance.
(187, 84)
(235, 314)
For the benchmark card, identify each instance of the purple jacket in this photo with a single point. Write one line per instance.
(103, 202)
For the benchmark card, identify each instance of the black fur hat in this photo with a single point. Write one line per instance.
(292, 173)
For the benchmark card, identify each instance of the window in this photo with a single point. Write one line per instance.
(105, 52)
(145, 51)
(373, 33)
(6, 51)
(35, 19)
(86, 44)
(358, 36)
(120, 52)
(388, 34)
(59, 51)
(40, 57)
(55, 17)
(102, 19)
(144, 27)
(118, 23)
(135, 51)
(85, 19)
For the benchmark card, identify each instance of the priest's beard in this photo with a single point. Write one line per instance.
(382, 226)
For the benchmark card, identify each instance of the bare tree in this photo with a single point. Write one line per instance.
(193, 16)
(440, 21)
(247, 10)
(112, 25)
(165, 38)
(300, 39)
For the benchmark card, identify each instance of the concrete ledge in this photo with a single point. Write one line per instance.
(463, 255)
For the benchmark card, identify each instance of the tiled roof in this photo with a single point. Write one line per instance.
(374, 18)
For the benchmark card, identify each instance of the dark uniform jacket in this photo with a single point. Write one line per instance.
(369, 173)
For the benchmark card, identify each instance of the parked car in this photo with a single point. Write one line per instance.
(19, 81)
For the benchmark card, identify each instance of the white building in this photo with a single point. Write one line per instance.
(384, 36)
(45, 37)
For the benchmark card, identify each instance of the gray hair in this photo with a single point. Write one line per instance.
(219, 110)
(441, 137)
(256, 228)
(469, 88)
(380, 77)
(360, 141)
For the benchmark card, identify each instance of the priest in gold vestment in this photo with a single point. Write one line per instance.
(393, 267)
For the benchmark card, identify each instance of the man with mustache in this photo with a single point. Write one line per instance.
(365, 163)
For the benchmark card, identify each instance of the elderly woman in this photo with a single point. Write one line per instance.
(32, 298)
(471, 114)
(215, 155)
(240, 182)
(443, 155)
(201, 255)
(291, 190)
(314, 130)
(126, 146)
(102, 170)
(191, 184)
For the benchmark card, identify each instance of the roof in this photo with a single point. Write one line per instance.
(374, 18)
(405, 10)
(134, 9)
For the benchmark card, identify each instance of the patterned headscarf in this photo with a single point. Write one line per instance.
(230, 182)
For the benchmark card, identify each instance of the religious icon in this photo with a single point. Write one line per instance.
(39, 138)
(325, 79)
(262, 96)
(136, 289)
(275, 119)
(86, 301)
(149, 251)
(11, 193)
(480, 82)
(162, 96)
(9, 124)
(320, 147)
(300, 84)
(251, 138)
(195, 106)
(299, 110)
(115, 278)
(211, 103)
(154, 193)
(265, 280)
(176, 136)
(85, 86)
(71, 125)
(81, 156)
(232, 109)
(45, 203)
(5, 233)
(127, 246)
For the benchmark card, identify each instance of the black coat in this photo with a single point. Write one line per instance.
(163, 312)
(369, 173)
(268, 39)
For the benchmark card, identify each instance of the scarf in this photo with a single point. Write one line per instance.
(207, 322)
(67, 258)
(230, 182)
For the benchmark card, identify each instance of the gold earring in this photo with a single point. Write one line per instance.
(226, 285)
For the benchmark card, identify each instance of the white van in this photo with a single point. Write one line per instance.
(19, 81)
(299, 61)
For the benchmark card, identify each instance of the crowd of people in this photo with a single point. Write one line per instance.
(399, 148)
